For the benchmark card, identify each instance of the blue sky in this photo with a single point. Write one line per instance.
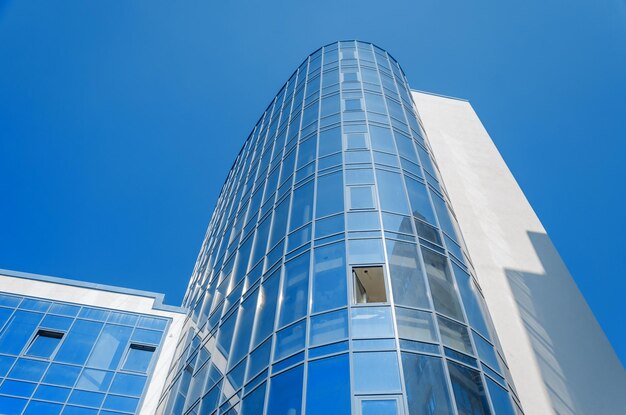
(119, 120)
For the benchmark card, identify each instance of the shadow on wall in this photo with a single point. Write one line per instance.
(581, 372)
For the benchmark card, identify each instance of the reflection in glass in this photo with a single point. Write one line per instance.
(329, 277)
(286, 392)
(441, 284)
(371, 322)
(427, 392)
(328, 328)
(405, 273)
(469, 392)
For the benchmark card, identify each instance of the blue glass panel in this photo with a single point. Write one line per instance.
(415, 325)
(9, 300)
(500, 399)
(328, 328)
(122, 318)
(93, 314)
(268, 297)
(154, 323)
(290, 340)
(63, 375)
(64, 309)
(295, 289)
(94, 380)
(5, 364)
(17, 331)
(44, 344)
(486, 352)
(379, 407)
(469, 392)
(79, 341)
(328, 386)
(56, 322)
(259, 359)
(371, 322)
(330, 141)
(420, 203)
(373, 344)
(147, 336)
(361, 197)
(253, 402)
(52, 393)
(138, 359)
(35, 305)
(376, 372)
(120, 403)
(406, 275)
(330, 278)
(12, 406)
(441, 285)
(17, 388)
(472, 301)
(302, 206)
(286, 392)
(110, 347)
(28, 369)
(77, 410)
(43, 408)
(365, 251)
(329, 191)
(425, 383)
(244, 329)
(86, 398)
(391, 192)
(5, 313)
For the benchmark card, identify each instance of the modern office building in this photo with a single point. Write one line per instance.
(74, 348)
(369, 254)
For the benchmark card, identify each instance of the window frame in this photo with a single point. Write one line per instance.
(42, 332)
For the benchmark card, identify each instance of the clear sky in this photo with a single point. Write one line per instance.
(119, 120)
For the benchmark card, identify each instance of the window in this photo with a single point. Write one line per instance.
(361, 197)
(138, 358)
(369, 285)
(44, 344)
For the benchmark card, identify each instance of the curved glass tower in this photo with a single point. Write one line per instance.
(333, 278)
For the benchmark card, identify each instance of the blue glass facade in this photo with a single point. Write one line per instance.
(63, 358)
(333, 278)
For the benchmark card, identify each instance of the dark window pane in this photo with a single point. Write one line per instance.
(500, 399)
(328, 387)
(253, 402)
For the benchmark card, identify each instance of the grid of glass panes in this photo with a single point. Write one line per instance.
(336, 180)
(61, 358)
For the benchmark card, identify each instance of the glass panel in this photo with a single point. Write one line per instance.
(500, 399)
(253, 403)
(302, 206)
(295, 290)
(441, 285)
(469, 392)
(44, 344)
(138, 358)
(405, 273)
(376, 372)
(486, 352)
(126, 384)
(382, 140)
(285, 396)
(371, 322)
(95, 380)
(62, 375)
(28, 369)
(330, 141)
(415, 325)
(379, 407)
(79, 341)
(328, 386)
(454, 335)
(42, 408)
(12, 406)
(328, 328)
(329, 188)
(110, 347)
(420, 203)
(243, 334)
(361, 197)
(329, 278)
(472, 301)
(363, 221)
(391, 192)
(268, 297)
(17, 331)
(427, 392)
(366, 251)
(290, 340)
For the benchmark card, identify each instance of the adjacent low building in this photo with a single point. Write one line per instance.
(75, 348)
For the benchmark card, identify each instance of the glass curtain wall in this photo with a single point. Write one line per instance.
(333, 278)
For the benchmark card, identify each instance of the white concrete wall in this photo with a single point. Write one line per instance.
(560, 359)
(113, 300)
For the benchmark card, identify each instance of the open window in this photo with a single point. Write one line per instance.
(45, 343)
(369, 284)
(138, 358)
